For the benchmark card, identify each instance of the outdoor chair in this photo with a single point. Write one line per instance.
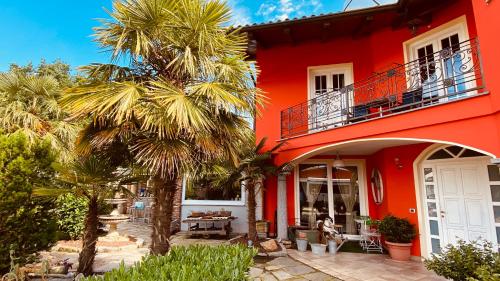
(137, 208)
(359, 113)
(411, 99)
(370, 239)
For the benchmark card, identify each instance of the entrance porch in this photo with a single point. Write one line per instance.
(447, 191)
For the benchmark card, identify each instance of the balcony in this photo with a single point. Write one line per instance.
(451, 74)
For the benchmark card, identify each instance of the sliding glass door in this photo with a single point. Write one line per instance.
(327, 191)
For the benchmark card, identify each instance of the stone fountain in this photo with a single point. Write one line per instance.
(116, 217)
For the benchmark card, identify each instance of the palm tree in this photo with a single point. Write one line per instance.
(28, 104)
(251, 171)
(96, 179)
(179, 102)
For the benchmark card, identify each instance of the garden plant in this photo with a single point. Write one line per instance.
(466, 261)
(26, 221)
(191, 263)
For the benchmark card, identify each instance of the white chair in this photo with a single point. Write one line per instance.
(370, 238)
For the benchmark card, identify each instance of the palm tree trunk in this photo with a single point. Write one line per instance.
(177, 205)
(87, 255)
(252, 205)
(164, 192)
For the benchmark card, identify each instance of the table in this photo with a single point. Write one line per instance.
(205, 226)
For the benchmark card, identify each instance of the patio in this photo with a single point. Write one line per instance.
(296, 266)
(365, 267)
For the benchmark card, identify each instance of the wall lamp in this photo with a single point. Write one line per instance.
(398, 163)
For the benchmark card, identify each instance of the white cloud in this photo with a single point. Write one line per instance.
(266, 9)
(286, 9)
(240, 14)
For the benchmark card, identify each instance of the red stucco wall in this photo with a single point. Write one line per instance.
(283, 68)
(473, 122)
(399, 185)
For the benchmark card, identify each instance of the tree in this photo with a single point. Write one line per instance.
(180, 101)
(26, 224)
(251, 171)
(94, 178)
(28, 104)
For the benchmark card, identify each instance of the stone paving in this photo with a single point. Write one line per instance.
(285, 268)
(365, 267)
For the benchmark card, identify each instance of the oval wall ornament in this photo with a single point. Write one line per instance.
(377, 186)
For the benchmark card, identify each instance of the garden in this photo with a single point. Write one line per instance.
(72, 141)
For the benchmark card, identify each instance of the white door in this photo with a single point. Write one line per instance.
(328, 105)
(444, 70)
(464, 202)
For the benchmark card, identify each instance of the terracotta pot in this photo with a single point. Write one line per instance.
(399, 251)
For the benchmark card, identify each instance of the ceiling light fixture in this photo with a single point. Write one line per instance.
(338, 163)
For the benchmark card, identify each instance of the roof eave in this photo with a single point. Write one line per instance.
(357, 12)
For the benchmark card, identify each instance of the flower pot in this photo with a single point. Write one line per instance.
(399, 251)
(302, 245)
(318, 249)
(332, 247)
(311, 235)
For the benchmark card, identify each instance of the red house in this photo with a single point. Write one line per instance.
(390, 109)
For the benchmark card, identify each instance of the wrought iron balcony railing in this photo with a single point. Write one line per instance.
(450, 74)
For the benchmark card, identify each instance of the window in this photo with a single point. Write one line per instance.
(494, 177)
(328, 103)
(330, 78)
(431, 206)
(202, 192)
(443, 61)
(313, 193)
(327, 191)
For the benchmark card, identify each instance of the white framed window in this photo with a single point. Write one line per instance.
(196, 193)
(328, 105)
(328, 78)
(441, 61)
(322, 190)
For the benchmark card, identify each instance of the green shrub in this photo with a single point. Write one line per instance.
(192, 263)
(26, 223)
(71, 211)
(467, 262)
(397, 230)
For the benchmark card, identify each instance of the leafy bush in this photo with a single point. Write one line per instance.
(467, 262)
(71, 211)
(196, 262)
(397, 230)
(26, 223)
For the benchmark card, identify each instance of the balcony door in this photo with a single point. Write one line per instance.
(441, 66)
(328, 103)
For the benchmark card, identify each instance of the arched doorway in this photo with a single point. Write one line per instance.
(459, 197)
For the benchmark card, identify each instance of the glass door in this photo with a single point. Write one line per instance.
(345, 188)
(313, 194)
(328, 103)
(444, 74)
(325, 191)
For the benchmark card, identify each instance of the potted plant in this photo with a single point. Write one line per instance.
(398, 234)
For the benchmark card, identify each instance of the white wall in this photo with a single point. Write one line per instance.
(239, 225)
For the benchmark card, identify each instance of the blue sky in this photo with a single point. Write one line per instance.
(62, 29)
